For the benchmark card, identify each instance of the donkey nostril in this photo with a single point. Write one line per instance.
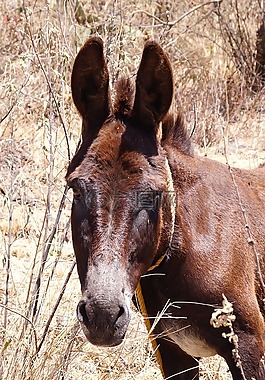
(120, 314)
(81, 312)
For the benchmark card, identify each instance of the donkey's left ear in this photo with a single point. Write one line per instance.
(90, 87)
(154, 86)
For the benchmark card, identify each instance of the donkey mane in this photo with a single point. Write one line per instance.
(123, 104)
(174, 134)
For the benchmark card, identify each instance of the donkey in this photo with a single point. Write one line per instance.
(143, 201)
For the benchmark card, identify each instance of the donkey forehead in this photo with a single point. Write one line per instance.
(112, 157)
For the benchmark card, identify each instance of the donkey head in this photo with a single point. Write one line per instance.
(122, 217)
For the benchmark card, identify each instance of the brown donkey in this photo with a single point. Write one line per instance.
(143, 201)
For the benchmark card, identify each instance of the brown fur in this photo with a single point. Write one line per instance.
(140, 195)
(174, 134)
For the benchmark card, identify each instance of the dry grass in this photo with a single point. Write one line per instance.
(39, 131)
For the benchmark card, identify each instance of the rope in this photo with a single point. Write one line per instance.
(159, 261)
(142, 306)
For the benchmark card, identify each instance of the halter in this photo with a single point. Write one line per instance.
(141, 303)
(138, 291)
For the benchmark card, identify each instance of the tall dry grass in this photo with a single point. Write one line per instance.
(39, 131)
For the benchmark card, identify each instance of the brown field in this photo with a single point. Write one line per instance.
(212, 48)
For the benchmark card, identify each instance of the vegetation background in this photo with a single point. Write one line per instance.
(217, 52)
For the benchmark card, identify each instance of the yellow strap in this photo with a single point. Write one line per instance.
(140, 299)
(159, 261)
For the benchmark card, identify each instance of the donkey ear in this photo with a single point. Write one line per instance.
(154, 86)
(90, 86)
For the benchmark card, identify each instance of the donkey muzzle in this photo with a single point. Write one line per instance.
(104, 321)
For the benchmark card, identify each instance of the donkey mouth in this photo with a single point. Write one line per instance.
(103, 338)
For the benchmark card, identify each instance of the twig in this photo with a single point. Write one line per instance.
(57, 257)
(27, 319)
(68, 351)
(237, 37)
(15, 101)
(250, 238)
(10, 224)
(47, 80)
(36, 291)
(195, 121)
(224, 317)
(55, 308)
(173, 23)
(182, 372)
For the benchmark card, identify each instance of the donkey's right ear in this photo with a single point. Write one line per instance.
(90, 87)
